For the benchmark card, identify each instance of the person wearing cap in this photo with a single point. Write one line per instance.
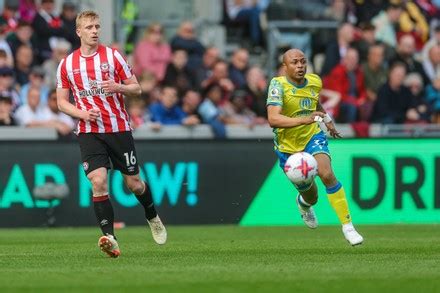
(7, 85)
(6, 118)
(36, 79)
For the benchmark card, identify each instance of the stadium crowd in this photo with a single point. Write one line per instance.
(383, 66)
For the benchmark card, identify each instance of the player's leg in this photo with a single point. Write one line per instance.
(95, 163)
(104, 211)
(123, 155)
(306, 197)
(337, 198)
(143, 193)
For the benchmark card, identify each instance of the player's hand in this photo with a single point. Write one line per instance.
(91, 115)
(332, 130)
(314, 117)
(110, 86)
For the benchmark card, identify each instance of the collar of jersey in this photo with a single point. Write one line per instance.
(298, 86)
(92, 55)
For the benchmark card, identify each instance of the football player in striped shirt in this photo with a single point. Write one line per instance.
(99, 78)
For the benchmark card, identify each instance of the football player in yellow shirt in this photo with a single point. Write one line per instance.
(293, 108)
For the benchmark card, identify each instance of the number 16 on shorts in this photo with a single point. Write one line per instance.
(130, 159)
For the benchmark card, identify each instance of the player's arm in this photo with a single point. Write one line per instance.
(129, 87)
(278, 120)
(66, 107)
(328, 121)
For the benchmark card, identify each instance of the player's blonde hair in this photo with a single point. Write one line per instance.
(85, 14)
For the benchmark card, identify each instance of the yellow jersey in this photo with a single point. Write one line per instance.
(295, 101)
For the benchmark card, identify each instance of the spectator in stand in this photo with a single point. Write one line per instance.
(238, 67)
(23, 64)
(27, 10)
(8, 19)
(339, 10)
(210, 57)
(3, 58)
(367, 9)
(168, 112)
(405, 53)
(33, 114)
(413, 21)
(23, 35)
(348, 79)
(433, 41)
(36, 80)
(385, 23)
(375, 75)
(366, 41)
(220, 77)
(255, 88)
(47, 28)
(177, 73)
(149, 86)
(50, 66)
(237, 113)
(152, 53)
(190, 103)
(210, 110)
(136, 110)
(394, 100)
(337, 49)
(68, 18)
(432, 96)
(186, 40)
(248, 12)
(6, 117)
(432, 64)
(420, 111)
(63, 123)
(4, 46)
(7, 86)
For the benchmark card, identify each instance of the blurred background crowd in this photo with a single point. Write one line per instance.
(380, 63)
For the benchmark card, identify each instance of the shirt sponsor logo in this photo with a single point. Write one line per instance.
(305, 103)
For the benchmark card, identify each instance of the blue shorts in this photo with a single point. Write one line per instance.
(317, 145)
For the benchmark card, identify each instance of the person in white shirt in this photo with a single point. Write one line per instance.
(33, 113)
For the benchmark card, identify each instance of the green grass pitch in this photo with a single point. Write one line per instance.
(403, 258)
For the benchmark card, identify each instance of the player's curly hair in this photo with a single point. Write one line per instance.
(86, 14)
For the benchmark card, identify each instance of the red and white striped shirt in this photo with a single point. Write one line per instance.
(83, 75)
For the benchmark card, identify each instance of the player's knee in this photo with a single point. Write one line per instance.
(99, 182)
(328, 178)
(135, 185)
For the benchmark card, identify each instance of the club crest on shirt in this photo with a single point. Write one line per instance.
(105, 67)
(85, 166)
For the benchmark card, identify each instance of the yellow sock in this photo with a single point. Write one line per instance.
(336, 196)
